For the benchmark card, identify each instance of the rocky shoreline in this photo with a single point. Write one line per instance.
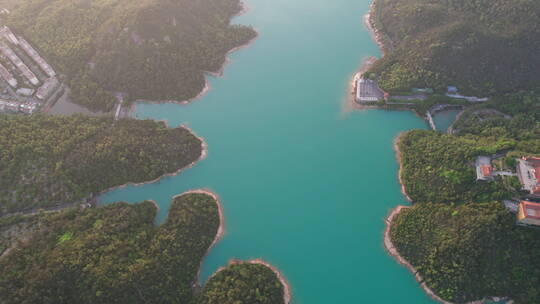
(375, 33)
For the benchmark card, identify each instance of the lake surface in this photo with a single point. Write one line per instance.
(305, 184)
(444, 119)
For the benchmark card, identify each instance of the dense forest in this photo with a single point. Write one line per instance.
(483, 47)
(115, 254)
(243, 283)
(152, 49)
(49, 161)
(471, 251)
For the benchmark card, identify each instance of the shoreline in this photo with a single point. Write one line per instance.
(287, 295)
(204, 154)
(216, 74)
(219, 233)
(392, 250)
(367, 62)
(375, 34)
(399, 159)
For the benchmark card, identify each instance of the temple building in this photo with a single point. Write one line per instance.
(529, 213)
(528, 169)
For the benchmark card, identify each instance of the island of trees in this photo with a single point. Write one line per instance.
(115, 254)
(153, 50)
(48, 161)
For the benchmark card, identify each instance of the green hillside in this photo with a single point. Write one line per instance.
(115, 254)
(469, 252)
(483, 47)
(53, 160)
(150, 49)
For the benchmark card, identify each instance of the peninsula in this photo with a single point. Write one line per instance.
(71, 257)
(51, 161)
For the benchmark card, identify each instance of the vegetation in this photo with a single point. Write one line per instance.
(471, 251)
(243, 283)
(483, 47)
(458, 235)
(114, 254)
(439, 168)
(50, 161)
(152, 49)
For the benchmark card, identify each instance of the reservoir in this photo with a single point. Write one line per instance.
(444, 119)
(305, 183)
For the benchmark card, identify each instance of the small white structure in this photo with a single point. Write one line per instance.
(25, 92)
(484, 170)
(47, 88)
(12, 105)
(28, 108)
(468, 98)
(36, 57)
(6, 75)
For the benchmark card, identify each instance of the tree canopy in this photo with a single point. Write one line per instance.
(483, 47)
(55, 160)
(151, 49)
(115, 254)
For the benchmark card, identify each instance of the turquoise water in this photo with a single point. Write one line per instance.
(305, 184)
(444, 119)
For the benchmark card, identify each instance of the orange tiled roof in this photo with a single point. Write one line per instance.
(531, 210)
(486, 170)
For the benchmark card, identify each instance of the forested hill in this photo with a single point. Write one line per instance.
(483, 47)
(469, 252)
(151, 49)
(114, 254)
(53, 160)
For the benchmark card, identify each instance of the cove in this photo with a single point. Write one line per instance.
(444, 119)
(305, 184)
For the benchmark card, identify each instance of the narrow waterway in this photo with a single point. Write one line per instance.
(305, 183)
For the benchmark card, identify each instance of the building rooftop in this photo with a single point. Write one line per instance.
(484, 170)
(528, 169)
(531, 210)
